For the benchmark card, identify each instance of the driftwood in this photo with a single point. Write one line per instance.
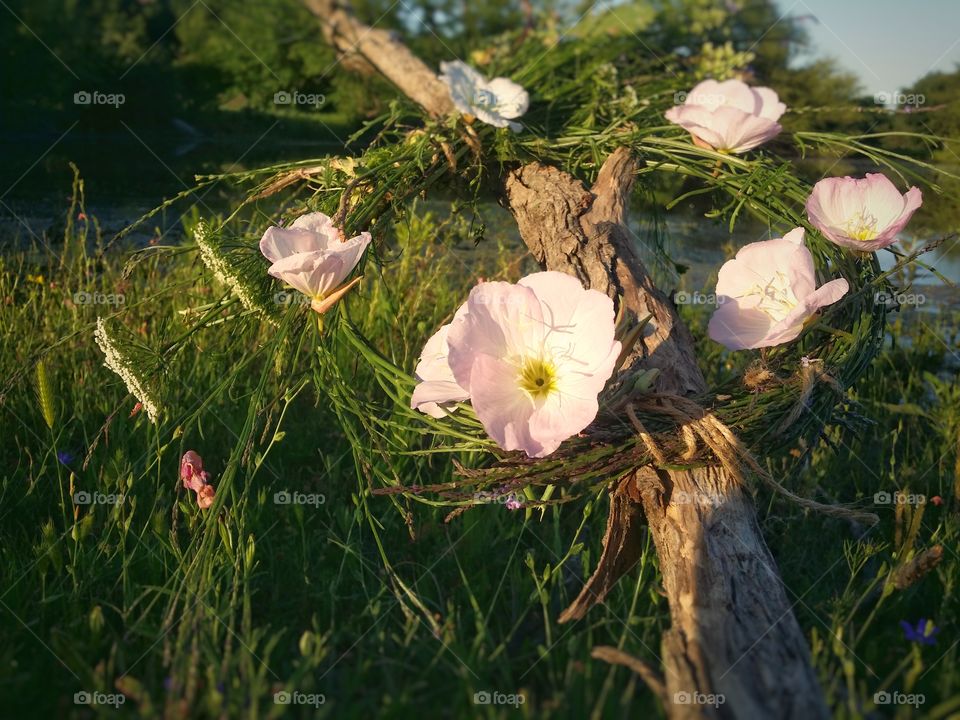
(733, 631)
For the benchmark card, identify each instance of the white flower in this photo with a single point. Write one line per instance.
(116, 360)
(865, 214)
(216, 261)
(495, 102)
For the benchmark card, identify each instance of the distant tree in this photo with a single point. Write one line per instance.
(932, 105)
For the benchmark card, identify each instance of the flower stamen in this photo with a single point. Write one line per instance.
(538, 377)
(863, 227)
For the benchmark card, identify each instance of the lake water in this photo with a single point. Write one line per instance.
(702, 245)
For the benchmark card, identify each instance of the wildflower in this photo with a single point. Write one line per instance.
(313, 257)
(119, 362)
(729, 116)
(937, 500)
(191, 471)
(767, 292)
(533, 357)
(864, 214)
(496, 102)
(923, 633)
(195, 478)
(513, 503)
(64, 457)
(437, 391)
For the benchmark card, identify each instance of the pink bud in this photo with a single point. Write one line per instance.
(191, 470)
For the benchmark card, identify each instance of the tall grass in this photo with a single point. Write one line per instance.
(376, 603)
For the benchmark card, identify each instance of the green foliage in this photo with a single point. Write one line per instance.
(211, 613)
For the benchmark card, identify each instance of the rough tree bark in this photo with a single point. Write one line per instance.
(733, 631)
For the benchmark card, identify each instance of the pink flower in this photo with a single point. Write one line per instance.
(191, 471)
(438, 390)
(729, 116)
(864, 214)
(312, 257)
(533, 358)
(767, 292)
(196, 478)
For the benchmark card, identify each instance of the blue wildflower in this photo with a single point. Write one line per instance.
(924, 632)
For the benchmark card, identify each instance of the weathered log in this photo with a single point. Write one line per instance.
(733, 632)
(384, 52)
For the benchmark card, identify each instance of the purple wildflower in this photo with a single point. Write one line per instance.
(923, 633)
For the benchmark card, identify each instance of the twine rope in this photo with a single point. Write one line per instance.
(697, 425)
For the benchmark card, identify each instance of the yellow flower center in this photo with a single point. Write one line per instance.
(863, 227)
(538, 377)
(777, 299)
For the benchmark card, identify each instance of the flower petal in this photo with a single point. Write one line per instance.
(319, 224)
(502, 320)
(512, 99)
(313, 274)
(580, 322)
(739, 328)
(502, 406)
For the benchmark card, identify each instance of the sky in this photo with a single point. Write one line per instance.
(887, 44)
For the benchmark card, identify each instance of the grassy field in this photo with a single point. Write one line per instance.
(353, 605)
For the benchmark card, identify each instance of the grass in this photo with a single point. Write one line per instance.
(376, 603)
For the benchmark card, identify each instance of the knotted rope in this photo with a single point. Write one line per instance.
(697, 426)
